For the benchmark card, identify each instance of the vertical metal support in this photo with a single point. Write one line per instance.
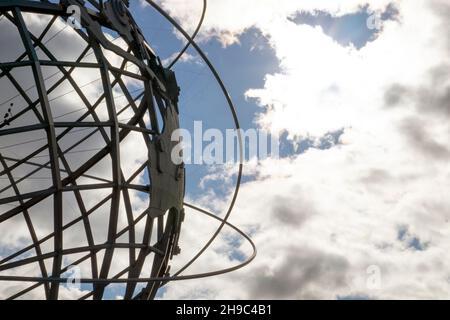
(53, 148)
(116, 169)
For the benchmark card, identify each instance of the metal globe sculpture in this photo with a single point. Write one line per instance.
(86, 177)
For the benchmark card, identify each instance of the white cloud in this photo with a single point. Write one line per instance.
(226, 19)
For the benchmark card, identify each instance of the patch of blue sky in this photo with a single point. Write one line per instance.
(292, 147)
(233, 251)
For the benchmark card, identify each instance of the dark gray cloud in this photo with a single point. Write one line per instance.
(376, 176)
(302, 269)
(428, 102)
(434, 100)
(395, 95)
(431, 100)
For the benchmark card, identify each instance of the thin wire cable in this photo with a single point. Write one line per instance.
(27, 90)
(53, 37)
(62, 95)
(63, 115)
(54, 74)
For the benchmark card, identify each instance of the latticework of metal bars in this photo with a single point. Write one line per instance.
(85, 162)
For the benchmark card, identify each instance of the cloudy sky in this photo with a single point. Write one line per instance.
(364, 215)
(356, 205)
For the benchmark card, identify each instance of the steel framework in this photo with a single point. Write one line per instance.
(152, 115)
(151, 95)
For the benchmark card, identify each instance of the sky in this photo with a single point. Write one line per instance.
(356, 206)
(364, 215)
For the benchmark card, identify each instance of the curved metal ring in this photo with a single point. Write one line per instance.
(154, 279)
(197, 30)
(236, 122)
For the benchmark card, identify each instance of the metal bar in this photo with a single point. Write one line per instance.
(165, 279)
(89, 187)
(68, 64)
(16, 64)
(128, 73)
(87, 103)
(43, 34)
(43, 166)
(235, 120)
(30, 227)
(78, 196)
(118, 132)
(84, 168)
(116, 170)
(48, 237)
(32, 6)
(21, 197)
(23, 129)
(135, 271)
(137, 129)
(48, 63)
(83, 124)
(96, 248)
(145, 189)
(82, 96)
(77, 262)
